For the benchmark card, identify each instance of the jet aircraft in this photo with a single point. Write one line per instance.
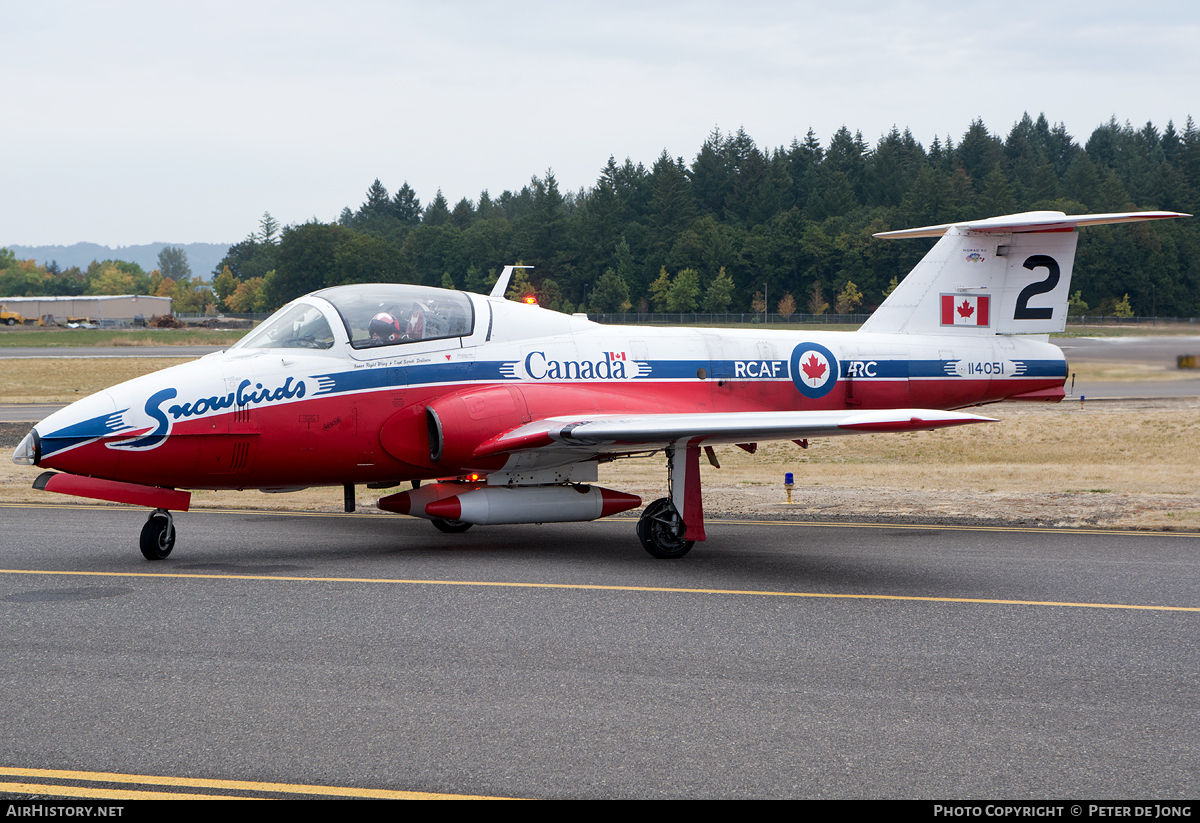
(510, 408)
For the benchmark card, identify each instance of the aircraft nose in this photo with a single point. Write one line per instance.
(79, 423)
(28, 452)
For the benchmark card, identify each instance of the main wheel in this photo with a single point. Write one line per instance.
(661, 530)
(451, 526)
(10, 321)
(158, 536)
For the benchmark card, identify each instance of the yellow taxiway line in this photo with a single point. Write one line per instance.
(598, 587)
(195, 783)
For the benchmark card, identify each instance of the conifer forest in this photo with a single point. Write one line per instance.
(716, 231)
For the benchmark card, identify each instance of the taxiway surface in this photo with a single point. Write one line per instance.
(775, 660)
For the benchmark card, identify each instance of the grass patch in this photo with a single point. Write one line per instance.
(83, 338)
(1132, 330)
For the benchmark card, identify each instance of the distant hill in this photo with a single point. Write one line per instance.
(202, 257)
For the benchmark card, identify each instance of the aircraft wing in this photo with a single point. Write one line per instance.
(618, 432)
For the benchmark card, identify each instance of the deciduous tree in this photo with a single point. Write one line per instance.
(786, 305)
(816, 301)
(173, 263)
(848, 299)
(684, 292)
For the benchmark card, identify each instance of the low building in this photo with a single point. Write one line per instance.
(115, 307)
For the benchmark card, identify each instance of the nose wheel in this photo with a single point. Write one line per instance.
(158, 535)
(661, 530)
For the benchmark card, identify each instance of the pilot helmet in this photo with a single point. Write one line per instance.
(385, 327)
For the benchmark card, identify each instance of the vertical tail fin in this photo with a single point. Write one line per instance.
(1004, 275)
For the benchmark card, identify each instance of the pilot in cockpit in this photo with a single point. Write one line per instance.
(385, 328)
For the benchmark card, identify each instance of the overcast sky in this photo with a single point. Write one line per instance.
(131, 122)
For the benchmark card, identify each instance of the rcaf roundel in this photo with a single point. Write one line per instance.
(966, 310)
(814, 370)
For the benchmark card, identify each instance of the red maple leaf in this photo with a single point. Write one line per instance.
(813, 368)
(966, 309)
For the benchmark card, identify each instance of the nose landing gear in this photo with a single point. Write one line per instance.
(158, 535)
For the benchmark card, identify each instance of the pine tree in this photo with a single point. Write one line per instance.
(720, 293)
(406, 207)
(463, 214)
(611, 293)
(377, 201)
(269, 229)
(438, 213)
(485, 210)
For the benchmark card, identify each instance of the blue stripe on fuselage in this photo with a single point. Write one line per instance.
(492, 371)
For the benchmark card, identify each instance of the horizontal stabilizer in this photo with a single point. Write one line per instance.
(1032, 221)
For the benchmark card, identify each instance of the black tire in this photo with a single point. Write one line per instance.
(661, 531)
(451, 526)
(12, 321)
(158, 537)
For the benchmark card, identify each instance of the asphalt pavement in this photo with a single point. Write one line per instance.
(775, 660)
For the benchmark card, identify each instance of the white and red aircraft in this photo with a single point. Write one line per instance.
(511, 408)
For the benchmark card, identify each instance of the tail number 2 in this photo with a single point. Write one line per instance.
(1023, 312)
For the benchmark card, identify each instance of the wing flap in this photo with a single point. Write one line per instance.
(606, 433)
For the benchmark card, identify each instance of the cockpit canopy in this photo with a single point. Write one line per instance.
(401, 314)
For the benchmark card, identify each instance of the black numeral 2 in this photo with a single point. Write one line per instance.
(1023, 312)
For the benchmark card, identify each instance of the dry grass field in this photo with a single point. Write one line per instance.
(65, 380)
(1122, 464)
(54, 337)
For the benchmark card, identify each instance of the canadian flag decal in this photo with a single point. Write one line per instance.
(966, 310)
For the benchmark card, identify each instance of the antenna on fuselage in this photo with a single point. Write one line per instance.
(501, 286)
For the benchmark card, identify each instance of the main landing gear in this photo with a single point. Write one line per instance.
(661, 530)
(451, 526)
(158, 535)
(670, 526)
